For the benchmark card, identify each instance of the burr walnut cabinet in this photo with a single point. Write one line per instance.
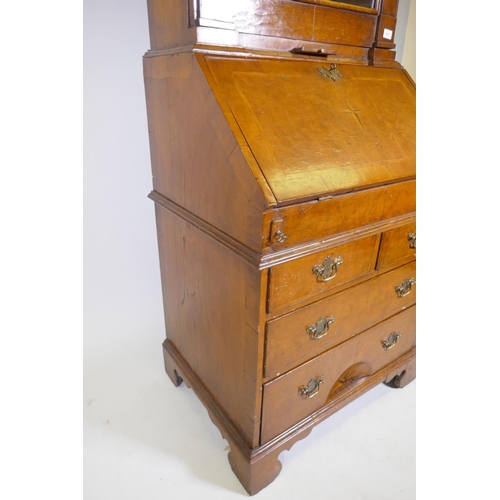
(282, 139)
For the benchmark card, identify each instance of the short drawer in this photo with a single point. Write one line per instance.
(296, 337)
(299, 393)
(299, 279)
(397, 246)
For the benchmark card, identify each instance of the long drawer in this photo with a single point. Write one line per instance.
(317, 220)
(302, 278)
(296, 337)
(292, 397)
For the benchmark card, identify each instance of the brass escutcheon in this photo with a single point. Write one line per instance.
(312, 388)
(320, 329)
(280, 236)
(328, 270)
(391, 341)
(332, 72)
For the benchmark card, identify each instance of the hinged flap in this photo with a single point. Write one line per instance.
(314, 136)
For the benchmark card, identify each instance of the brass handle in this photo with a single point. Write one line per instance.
(320, 329)
(391, 341)
(328, 270)
(276, 234)
(405, 288)
(312, 388)
(412, 240)
(280, 236)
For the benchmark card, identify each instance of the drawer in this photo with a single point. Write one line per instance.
(286, 400)
(397, 245)
(291, 341)
(320, 219)
(299, 279)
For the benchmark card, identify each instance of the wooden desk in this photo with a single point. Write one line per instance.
(283, 158)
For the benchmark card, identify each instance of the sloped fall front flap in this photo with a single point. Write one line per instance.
(314, 136)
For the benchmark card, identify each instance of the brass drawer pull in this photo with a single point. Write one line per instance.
(280, 236)
(328, 270)
(320, 329)
(412, 240)
(312, 388)
(391, 341)
(277, 234)
(405, 288)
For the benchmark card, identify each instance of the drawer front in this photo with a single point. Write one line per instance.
(317, 220)
(340, 369)
(294, 338)
(299, 279)
(397, 245)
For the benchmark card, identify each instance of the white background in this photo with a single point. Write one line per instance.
(142, 437)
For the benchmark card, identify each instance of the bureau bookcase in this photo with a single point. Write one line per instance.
(282, 138)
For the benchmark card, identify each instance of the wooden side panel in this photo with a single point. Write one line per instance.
(211, 301)
(390, 7)
(196, 160)
(387, 24)
(169, 24)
